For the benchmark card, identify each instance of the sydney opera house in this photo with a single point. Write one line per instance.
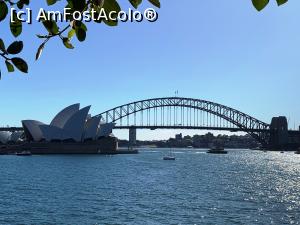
(72, 130)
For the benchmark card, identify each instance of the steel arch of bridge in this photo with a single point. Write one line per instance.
(243, 122)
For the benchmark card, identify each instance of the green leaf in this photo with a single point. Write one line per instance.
(135, 3)
(67, 43)
(51, 26)
(155, 3)
(98, 3)
(80, 34)
(110, 6)
(20, 5)
(71, 34)
(15, 48)
(79, 24)
(80, 30)
(260, 4)
(77, 5)
(26, 2)
(10, 67)
(70, 4)
(39, 51)
(2, 45)
(20, 64)
(281, 2)
(3, 10)
(51, 2)
(16, 25)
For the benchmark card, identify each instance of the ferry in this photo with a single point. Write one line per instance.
(217, 150)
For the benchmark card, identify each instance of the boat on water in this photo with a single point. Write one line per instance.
(217, 150)
(170, 156)
(256, 148)
(24, 153)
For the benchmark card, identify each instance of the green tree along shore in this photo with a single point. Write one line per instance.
(72, 27)
(200, 141)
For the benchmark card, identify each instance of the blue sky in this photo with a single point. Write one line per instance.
(222, 51)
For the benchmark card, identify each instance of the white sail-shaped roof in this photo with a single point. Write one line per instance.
(70, 123)
(52, 133)
(63, 116)
(105, 129)
(74, 127)
(32, 130)
(91, 128)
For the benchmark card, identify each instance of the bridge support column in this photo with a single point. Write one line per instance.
(132, 136)
(279, 137)
(298, 139)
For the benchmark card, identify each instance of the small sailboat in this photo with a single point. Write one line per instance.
(170, 156)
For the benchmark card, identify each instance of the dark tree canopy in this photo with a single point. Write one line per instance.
(72, 28)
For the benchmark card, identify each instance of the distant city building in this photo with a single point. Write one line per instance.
(178, 137)
(187, 137)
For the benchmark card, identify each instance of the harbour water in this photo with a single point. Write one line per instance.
(242, 187)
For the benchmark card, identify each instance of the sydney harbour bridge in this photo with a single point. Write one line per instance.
(189, 113)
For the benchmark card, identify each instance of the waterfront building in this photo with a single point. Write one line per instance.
(72, 131)
(178, 137)
(71, 124)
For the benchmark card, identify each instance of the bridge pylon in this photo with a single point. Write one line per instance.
(132, 136)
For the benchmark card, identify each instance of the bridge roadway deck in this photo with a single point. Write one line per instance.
(191, 128)
(13, 129)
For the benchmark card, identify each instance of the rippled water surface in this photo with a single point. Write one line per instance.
(243, 187)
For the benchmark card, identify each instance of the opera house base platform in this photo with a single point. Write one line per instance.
(107, 145)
